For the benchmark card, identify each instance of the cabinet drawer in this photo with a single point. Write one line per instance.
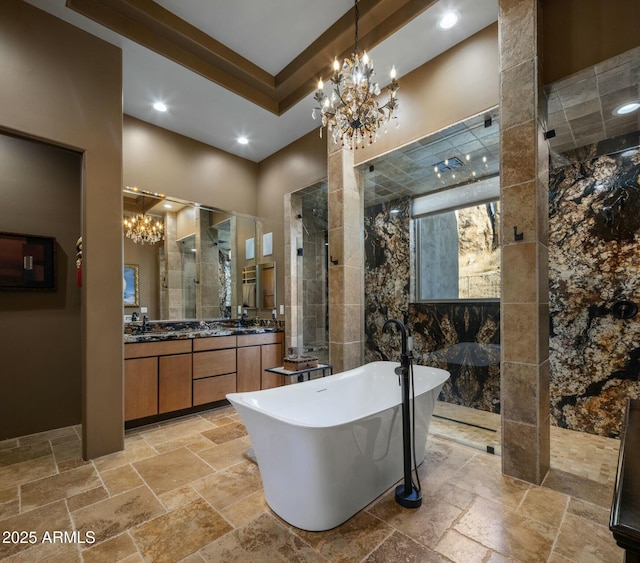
(214, 343)
(145, 349)
(216, 362)
(257, 339)
(212, 389)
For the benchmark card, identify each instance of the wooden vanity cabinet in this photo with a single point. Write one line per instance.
(214, 368)
(173, 375)
(157, 378)
(249, 362)
(174, 383)
(271, 356)
(140, 388)
(259, 352)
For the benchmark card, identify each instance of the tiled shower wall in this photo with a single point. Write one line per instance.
(594, 260)
(315, 330)
(594, 356)
(461, 337)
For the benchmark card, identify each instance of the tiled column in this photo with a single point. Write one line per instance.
(346, 262)
(524, 383)
(173, 264)
(292, 275)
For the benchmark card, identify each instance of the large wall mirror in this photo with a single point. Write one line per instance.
(200, 268)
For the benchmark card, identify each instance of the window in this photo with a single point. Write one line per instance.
(457, 233)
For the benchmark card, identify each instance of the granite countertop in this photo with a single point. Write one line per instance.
(157, 331)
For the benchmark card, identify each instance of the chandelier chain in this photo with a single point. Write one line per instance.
(357, 16)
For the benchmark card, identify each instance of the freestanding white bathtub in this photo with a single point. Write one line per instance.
(326, 448)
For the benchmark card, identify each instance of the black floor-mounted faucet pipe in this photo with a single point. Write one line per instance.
(407, 494)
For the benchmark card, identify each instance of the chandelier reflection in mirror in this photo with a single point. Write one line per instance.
(351, 112)
(143, 229)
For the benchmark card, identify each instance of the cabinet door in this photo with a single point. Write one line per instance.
(140, 388)
(174, 381)
(249, 369)
(271, 358)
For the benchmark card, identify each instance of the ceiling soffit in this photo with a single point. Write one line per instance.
(159, 30)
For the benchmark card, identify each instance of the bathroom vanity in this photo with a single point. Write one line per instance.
(173, 371)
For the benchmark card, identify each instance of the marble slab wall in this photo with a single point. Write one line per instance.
(461, 337)
(464, 339)
(594, 226)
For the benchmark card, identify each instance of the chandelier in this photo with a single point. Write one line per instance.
(142, 229)
(351, 112)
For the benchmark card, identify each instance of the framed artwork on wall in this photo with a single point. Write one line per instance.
(130, 291)
(27, 262)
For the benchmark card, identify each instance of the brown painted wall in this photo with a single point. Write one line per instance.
(40, 381)
(297, 166)
(580, 33)
(161, 161)
(457, 84)
(64, 86)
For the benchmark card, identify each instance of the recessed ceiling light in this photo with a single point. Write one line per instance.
(243, 140)
(168, 206)
(159, 106)
(624, 109)
(448, 20)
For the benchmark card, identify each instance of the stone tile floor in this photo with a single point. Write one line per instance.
(187, 490)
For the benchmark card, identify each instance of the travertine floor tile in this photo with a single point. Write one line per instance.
(582, 540)
(506, 532)
(179, 497)
(246, 509)
(47, 553)
(579, 487)
(92, 496)
(133, 451)
(223, 434)
(115, 549)
(426, 524)
(112, 516)
(24, 453)
(225, 455)
(473, 512)
(351, 541)
(175, 535)
(19, 473)
(230, 485)
(47, 518)
(597, 514)
(62, 485)
(461, 549)
(48, 435)
(399, 547)
(171, 470)
(68, 454)
(544, 505)
(120, 479)
(482, 476)
(264, 541)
